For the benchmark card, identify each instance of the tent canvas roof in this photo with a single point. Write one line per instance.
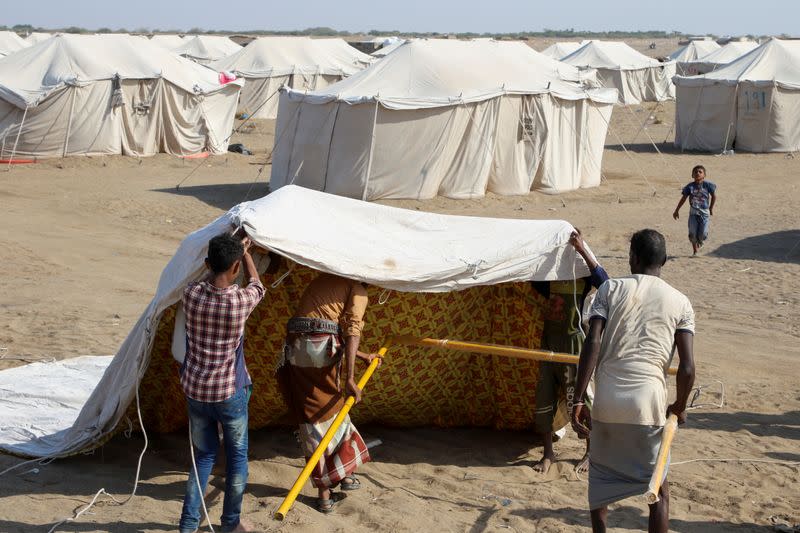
(611, 55)
(563, 49)
(725, 54)
(207, 47)
(37, 37)
(170, 42)
(432, 73)
(776, 61)
(279, 56)
(10, 42)
(29, 75)
(694, 50)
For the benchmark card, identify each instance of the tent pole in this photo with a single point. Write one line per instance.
(69, 123)
(494, 349)
(371, 150)
(16, 140)
(280, 514)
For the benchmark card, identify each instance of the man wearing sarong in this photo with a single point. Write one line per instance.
(636, 322)
(562, 332)
(325, 330)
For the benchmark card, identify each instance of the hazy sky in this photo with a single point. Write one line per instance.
(721, 17)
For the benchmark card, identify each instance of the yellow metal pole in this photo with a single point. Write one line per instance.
(280, 514)
(496, 349)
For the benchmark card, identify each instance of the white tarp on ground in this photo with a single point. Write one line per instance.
(636, 77)
(169, 41)
(60, 97)
(37, 37)
(717, 58)
(751, 104)
(10, 42)
(206, 48)
(40, 401)
(691, 52)
(302, 63)
(562, 50)
(450, 118)
(388, 247)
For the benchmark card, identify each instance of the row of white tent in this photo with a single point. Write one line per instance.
(434, 117)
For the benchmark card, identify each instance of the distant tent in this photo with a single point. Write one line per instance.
(475, 287)
(110, 94)
(10, 42)
(387, 45)
(37, 37)
(636, 77)
(751, 104)
(716, 59)
(206, 48)
(561, 50)
(693, 51)
(302, 63)
(341, 47)
(170, 42)
(450, 118)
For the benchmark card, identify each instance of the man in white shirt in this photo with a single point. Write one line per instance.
(635, 324)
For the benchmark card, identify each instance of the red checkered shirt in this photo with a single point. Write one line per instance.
(215, 320)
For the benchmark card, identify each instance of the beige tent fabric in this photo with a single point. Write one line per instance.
(10, 42)
(693, 51)
(57, 99)
(204, 49)
(717, 58)
(753, 103)
(169, 41)
(562, 49)
(638, 78)
(301, 63)
(37, 37)
(476, 117)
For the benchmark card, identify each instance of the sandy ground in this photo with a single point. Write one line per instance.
(84, 241)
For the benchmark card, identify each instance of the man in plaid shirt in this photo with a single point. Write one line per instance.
(214, 376)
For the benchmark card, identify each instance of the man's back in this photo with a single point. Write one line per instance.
(215, 320)
(642, 315)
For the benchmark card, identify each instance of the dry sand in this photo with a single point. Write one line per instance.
(84, 241)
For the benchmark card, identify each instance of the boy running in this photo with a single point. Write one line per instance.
(703, 196)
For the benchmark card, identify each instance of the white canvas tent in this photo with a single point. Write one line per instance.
(110, 94)
(434, 254)
(561, 50)
(636, 77)
(448, 118)
(693, 51)
(169, 41)
(751, 104)
(388, 45)
(10, 42)
(302, 63)
(37, 37)
(206, 48)
(717, 58)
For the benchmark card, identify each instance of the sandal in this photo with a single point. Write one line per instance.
(352, 484)
(326, 506)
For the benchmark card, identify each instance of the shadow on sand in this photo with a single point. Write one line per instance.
(777, 247)
(222, 196)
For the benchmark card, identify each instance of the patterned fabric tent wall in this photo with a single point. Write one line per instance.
(414, 386)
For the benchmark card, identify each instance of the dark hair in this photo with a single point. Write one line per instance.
(698, 167)
(223, 251)
(649, 247)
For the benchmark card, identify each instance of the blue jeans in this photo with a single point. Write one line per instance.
(698, 228)
(203, 417)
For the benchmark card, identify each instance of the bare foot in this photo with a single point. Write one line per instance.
(583, 465)
(543, 466)
(244, 526)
